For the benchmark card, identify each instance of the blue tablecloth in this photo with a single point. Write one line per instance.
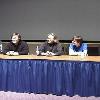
(59, 77)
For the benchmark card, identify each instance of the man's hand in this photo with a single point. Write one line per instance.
(15, 53)
(12, 53)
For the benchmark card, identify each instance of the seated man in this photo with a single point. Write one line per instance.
(51, 47)
(16, 46)
(77, 47)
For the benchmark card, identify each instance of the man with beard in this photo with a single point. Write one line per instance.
(16, 46)
(51, 47)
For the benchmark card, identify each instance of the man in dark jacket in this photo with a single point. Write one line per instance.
(16, 46)
(51, 47)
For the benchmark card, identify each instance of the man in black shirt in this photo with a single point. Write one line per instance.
(51, 47)
(16, 46)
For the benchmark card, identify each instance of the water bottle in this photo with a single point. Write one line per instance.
(37, 50)
(1, 47)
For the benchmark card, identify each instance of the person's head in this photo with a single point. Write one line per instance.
(52, 38)
(16, 37)
(77, 40)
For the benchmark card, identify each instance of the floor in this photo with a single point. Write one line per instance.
(26, 96)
